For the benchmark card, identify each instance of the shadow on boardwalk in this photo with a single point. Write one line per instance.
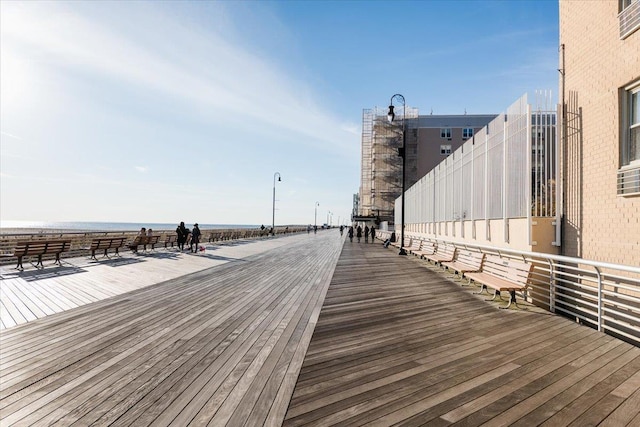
(397, 344)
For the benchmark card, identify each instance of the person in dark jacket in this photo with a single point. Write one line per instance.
(366, 234)
(195, 237)
(359, 233)
(350, 233)
(181, 232)
(373, 234)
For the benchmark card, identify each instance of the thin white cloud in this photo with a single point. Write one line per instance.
(142, 169)
(10, 135)
(200, 67)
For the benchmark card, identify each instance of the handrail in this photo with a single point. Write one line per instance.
(561, 258)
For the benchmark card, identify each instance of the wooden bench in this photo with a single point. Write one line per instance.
(416, 245)
(39, 248)
(170, 239)
(443, 253)
(407, 243)
(143, 241)
(427, 248)
(503, 274)
(106, 243)
(465, 262)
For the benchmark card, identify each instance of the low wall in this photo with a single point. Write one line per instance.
(509, 234)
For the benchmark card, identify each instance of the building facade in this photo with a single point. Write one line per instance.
(600, 91)
(430, 139)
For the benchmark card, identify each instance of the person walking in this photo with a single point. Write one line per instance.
(373, 234)
(341, 229)
(359, 233)
(366, 234)
(181, 232)
(350, 233)
(195, 238)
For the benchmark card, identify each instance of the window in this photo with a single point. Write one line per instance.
(445, 150)
(629, 174)
(445, 132)
(631, 117)
(629, 17)
(467, 133)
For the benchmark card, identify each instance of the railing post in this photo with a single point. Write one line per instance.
(599, 298)
(552, 286)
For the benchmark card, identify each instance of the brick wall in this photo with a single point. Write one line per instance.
(599, 225)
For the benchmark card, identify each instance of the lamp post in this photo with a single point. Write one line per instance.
(315, 218)
(402, 152)
(273, 218)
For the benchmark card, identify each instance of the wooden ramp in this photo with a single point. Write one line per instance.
(396, 344)
(222, 346)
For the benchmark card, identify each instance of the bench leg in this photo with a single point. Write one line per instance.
(39, 263)
(57, 261)
(117, 252)
(19, 267)
(106, 254)
(496, 293)
(482, 289)
(512, 300)
(93, 254)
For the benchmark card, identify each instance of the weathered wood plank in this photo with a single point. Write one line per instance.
(397, 345)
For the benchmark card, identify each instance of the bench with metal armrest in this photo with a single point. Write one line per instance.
(443, 253)
(39, 247)
(465, 262)
(106, 243)
(503, 274)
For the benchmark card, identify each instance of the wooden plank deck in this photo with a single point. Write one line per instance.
(220, 346)
(396, 344)
(33, 293)
(241, 343)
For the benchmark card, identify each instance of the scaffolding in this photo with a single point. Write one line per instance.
(381, 168)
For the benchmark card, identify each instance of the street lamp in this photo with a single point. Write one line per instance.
(402, 152)
(328, 222)
(315, 218)
(273, 218)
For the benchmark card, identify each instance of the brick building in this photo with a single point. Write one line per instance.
(600, 91)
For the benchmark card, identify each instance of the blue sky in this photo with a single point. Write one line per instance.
(184, 111)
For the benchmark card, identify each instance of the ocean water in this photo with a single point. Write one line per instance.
(107, 226)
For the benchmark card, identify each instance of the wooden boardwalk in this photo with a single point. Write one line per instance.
(222, 346)
(396, 344)
(253, 341)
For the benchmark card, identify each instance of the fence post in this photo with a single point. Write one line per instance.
(599, 298)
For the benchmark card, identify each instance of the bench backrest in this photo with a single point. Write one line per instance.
(152, 240)
(428, 246)
(170, 238)
(416, 244)
(443, 249)
(107, 242)
(471, 258)
(509, 269)
(139, 240)
(41, 247)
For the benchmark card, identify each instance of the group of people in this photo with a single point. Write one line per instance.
(358, 231)
(189, 237)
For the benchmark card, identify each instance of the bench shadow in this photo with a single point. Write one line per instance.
(48, 272)
(115, 262)
(229, 243)
(216, 257)
(161, 255)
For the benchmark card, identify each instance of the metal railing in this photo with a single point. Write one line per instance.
(601, 295)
